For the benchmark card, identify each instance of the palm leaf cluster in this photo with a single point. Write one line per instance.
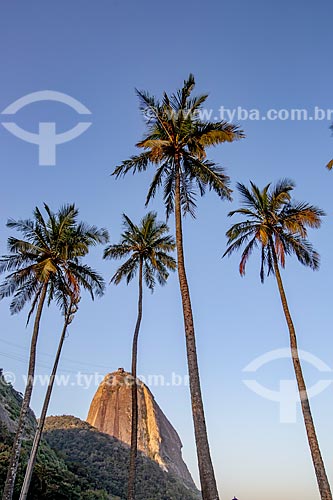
(147, 242)
(50, 251)
(273, 221)
(176, 142)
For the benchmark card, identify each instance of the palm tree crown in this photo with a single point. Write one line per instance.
(50, 253)
(273, 223)
(175, 142)
(147, 243)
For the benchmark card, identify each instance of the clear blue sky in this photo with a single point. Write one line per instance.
(255, 54)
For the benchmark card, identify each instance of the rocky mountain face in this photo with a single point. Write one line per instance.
(110, 412)
(10, 406)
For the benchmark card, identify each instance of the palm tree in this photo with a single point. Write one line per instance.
(46, 258)
(277, 226)
(147, 248)
(68, 294)
(175, 143)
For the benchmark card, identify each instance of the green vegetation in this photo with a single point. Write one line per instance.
(77, 462)
(100, 460)
(51, 478)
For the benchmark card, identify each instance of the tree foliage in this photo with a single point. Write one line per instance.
(177, 138)
(271, 217)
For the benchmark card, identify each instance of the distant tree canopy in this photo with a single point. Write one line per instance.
(101, 461)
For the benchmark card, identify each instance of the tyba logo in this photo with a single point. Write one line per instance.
(47, 138)
(287, 396)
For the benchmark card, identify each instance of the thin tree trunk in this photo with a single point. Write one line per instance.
(134, 426)
(323, 484)
(206, 470)
(16, 450)
(38, 434)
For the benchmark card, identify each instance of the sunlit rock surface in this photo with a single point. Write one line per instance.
(110, 412)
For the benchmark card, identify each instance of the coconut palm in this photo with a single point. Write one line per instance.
(277, 226)
(39, 264)
(147, 250)
(69, 295)
(176, 143)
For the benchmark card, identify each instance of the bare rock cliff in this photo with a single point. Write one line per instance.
(110, 412)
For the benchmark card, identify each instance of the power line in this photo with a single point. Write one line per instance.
(64, 358)
(39, 364)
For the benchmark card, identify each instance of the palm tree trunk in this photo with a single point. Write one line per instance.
(323, 484)
(16, 450)
(206, 470)
(134, 426)
(38, 434)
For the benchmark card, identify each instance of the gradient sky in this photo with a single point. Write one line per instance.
(255, 54)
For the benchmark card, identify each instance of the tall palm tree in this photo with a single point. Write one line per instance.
(146, 248)
(277, 226)
(47, 256)
(176, 143)
(68, 291)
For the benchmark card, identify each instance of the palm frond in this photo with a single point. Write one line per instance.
(246, 255)
(280, 194)
(126, 271)
(248, 199)
(169, 192)
(117, 251)
(148, 244)
(135, 164)
(11, 262)
(210, 175)
(214, 133)
(156, 182)
(298, 216)
(187, 195)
